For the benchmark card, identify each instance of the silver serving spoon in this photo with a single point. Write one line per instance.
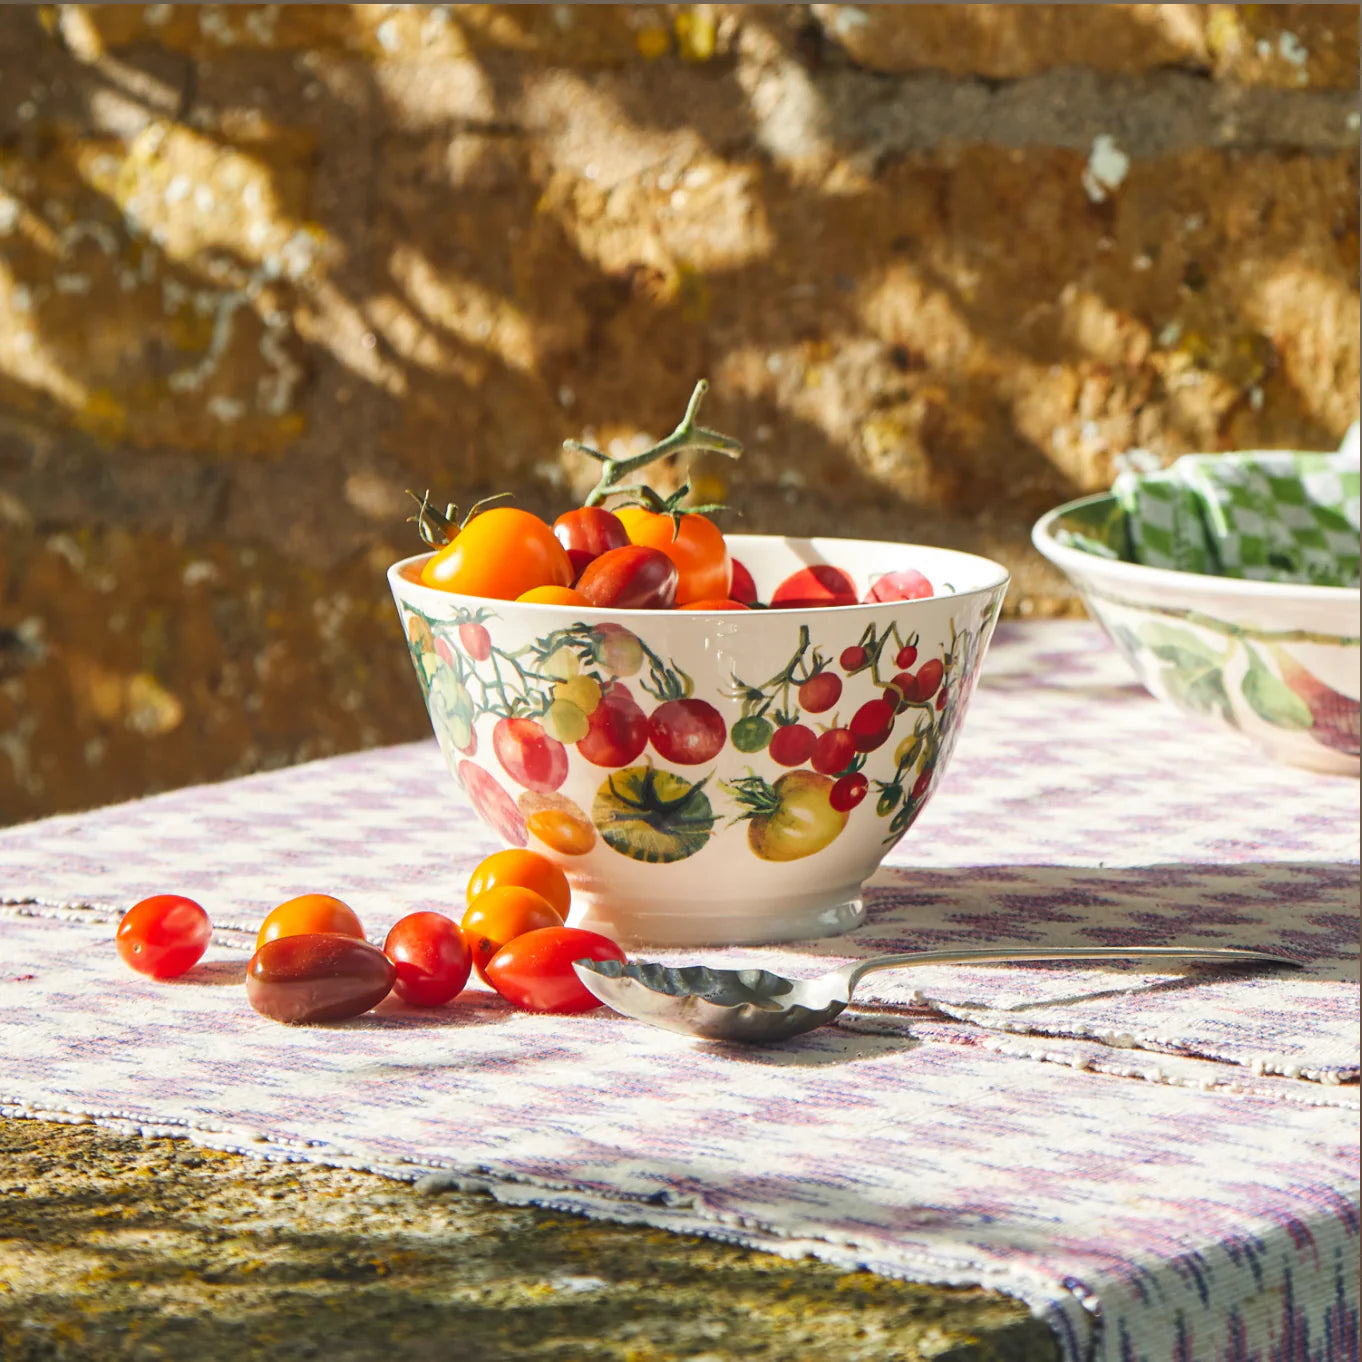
(755, 1006)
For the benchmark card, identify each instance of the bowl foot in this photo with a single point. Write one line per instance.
(657, 922)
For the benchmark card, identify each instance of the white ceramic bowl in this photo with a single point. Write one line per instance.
(1277, 662)
(639, 748)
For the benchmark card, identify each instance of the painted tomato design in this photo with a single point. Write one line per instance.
(929, 677)
(617, 730)
(819, 693)
(687, 732)
(833, 751)
(617, 649)
(475, 641)
(872, 724)
(752, 734)
(849, 791)
(492, 804)
(528, 755)
(792, 818)
(792, 745)
(853, 659)
(651, 815)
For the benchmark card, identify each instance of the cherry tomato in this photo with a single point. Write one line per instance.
(501, 553)
(872, 724)
(907, 655)
(500, 915)
(307, 915)
(820, 692)
(632, 578)
(792, 744)
(744, 589)
(476, 641)
(713, 605)
(687, 732)
(163, 936)
(317, 977)
(431, 956)
(528, 755)
(821, 584)
(853, 659)
(534, 972)
(848, 792)
(696, 546)
(522, 870)
(553, 595)
(833, 751)
(908, 585)
(617, 729)
(492, 804)
(587, 533)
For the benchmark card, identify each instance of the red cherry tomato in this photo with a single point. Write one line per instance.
(744, 589)
(713, 605)
(821, 584)
(308, 915)
(791, 744)
(696, 545)
(500, 915)
(526, 870)
(833, 751)
(617, 729)
(431, 956)
(852, 659)
(632, 578)
(534, 971)
(687, 732)
(163, 936)
(529, 756)
(501, 554)
(872, 724)
(588, 532)
(848, 792)
(907, 655)
(476, 641)
(821, 692)
(908, 585)
(492, 804)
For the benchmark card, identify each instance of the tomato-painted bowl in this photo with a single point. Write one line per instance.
(709, 778)
(1275, 661)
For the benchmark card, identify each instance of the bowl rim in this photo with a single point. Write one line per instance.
(1001, 577)
(1065, 557)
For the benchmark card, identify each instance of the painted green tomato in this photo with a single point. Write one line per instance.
(653, 815)
(752, 734)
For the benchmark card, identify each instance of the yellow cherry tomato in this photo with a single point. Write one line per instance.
(501, 554)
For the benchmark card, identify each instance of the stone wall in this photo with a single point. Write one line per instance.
(263, 268)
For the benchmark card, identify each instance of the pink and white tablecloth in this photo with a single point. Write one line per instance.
(1163, 1165)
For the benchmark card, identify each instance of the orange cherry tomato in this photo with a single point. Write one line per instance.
(553, 595)
(704, 569)
(501, 915)
(501, 554)
(714, 605)
(309, 914)
(526, 870)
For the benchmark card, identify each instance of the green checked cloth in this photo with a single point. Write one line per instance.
(1270, 515)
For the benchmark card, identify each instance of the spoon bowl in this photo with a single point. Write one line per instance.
(757, 1007)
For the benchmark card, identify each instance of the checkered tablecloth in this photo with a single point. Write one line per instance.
(1163, 1165)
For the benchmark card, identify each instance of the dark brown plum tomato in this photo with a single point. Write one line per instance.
(687, 732)
(617, 729)
(792, 744)
(848, 792)
(872, 724)
(431, 958)
(634, 577)
(320, 977)
(821, 692)
(833, 751)
(744, 589)
(819, 585)
(163, 936)
(534, 972)
(908, 585)
(588, 532)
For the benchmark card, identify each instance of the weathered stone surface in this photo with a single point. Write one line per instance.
(1281, 45)
(263, 268)
(118, 1247)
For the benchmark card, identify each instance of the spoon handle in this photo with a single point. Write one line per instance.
(1214, 955)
